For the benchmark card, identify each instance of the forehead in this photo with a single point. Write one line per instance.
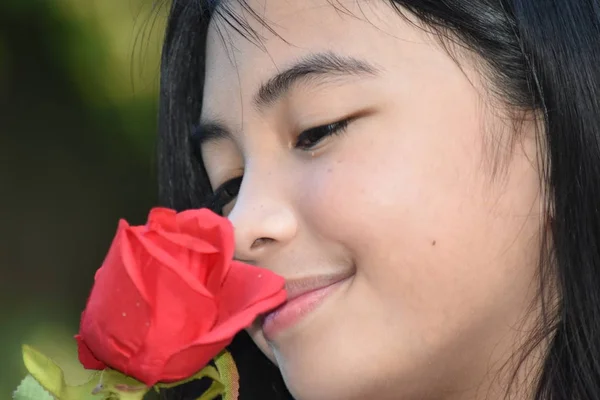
(261, 29)
(246, 45)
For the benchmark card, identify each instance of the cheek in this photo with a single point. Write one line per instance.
(395, 180)
(434, 238)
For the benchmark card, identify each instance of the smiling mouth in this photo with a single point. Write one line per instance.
(304, 296)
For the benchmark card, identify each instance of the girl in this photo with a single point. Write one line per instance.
(426, 176)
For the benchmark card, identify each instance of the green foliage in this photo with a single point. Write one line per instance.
(46, 381)
(30, 389)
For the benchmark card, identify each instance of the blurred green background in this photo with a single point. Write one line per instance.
(78, 105)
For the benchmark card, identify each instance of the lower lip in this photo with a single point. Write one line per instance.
(294, 310)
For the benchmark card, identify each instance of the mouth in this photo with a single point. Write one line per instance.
(304, 296)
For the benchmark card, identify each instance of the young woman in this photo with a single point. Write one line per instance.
(426, 176)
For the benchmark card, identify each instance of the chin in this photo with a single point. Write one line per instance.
(317, 365)
(319, 360)
(316, 383)
(318, 380)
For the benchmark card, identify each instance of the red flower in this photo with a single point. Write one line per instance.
(168, 297)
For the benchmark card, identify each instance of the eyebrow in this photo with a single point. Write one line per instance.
(318, 67)
(321, 65)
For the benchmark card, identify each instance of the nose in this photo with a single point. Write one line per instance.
(263, 221)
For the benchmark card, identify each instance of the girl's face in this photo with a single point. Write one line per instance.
(371, 158)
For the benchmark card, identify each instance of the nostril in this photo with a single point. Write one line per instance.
(260, 242)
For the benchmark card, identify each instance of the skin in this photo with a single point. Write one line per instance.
(442, 251)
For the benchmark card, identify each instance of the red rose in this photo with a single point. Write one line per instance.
(168, 297)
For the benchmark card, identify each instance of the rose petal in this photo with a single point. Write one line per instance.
(235, 323)
(195, 355)
(180, 314)
(129, 262)
(227, 243)
(204, 223)
(161, 218)
(116, 317)
(183, 364)
(245, 285)
(186, 241)
(197, 222)
(86, 357)
(198, 256)
(169, 262)
(245, 302)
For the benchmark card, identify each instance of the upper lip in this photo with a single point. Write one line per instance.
(300, 286)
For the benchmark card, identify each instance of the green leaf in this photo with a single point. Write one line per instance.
(103, 385)
(225, 379)
(30, 389)
(230, 377)
(207, 372)
(47, 379)
(50, 376)
(113, 385)
(216, 389)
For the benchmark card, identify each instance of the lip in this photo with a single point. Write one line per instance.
(304, 296)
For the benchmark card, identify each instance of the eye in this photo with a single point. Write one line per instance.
(308, 139)
(224, 195)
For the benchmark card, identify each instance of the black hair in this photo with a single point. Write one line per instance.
(539, 55)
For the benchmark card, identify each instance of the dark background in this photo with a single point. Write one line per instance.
(78, 86)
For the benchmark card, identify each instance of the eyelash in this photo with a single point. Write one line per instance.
(316, 135)
(224, 194)
(306, 141)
